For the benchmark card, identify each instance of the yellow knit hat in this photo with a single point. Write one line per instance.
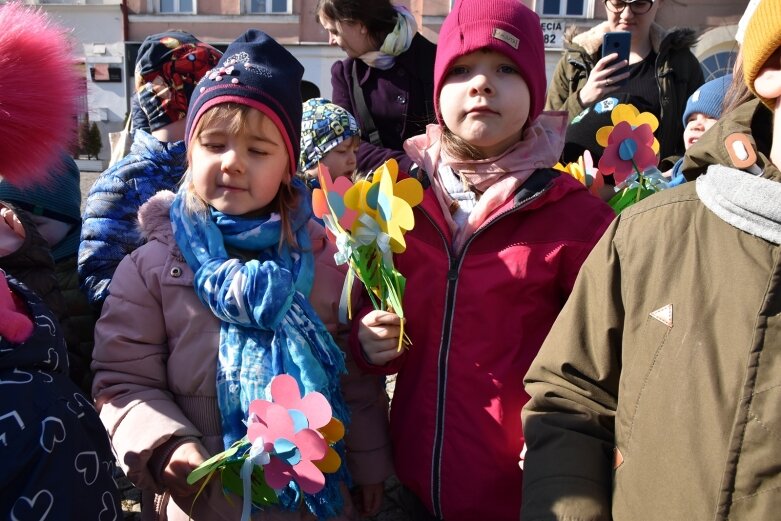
(762, 38)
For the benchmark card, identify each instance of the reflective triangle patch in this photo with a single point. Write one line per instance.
(664, 315)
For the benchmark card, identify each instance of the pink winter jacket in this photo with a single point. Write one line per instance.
(155, 363)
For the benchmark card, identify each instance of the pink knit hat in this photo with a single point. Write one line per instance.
(505, 26)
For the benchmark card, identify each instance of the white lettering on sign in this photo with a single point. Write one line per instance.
(552, 33)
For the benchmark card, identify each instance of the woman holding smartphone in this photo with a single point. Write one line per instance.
(661, 68)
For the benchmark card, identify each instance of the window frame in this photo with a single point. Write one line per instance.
(718, 64)
(588, 10)
(269, 3)
(177, 8)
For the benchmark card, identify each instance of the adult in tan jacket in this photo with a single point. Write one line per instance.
(155, 380)
(656, 395)
(663, 72)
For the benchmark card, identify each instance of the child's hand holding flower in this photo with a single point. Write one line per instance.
(379, 333)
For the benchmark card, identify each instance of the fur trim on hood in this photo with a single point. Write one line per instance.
(678, 38)
(153, 219)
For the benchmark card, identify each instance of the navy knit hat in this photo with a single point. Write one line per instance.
(708, 98)
(167, 68)
(59, 198)
(257, 72)
(323, 126)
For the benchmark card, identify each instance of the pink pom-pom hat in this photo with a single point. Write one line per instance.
(40, 86)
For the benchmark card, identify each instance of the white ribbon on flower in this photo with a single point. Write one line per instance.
(369, 232)
(257, 456)
(344, 245)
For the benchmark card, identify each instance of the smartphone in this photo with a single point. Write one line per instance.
(618, 42)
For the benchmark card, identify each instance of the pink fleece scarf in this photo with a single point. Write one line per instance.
(497, 178)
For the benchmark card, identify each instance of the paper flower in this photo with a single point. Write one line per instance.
(367, 242)
(288, 441)
(329, 199)
(287, 427)
(584, 171)
(628, 113)
(628, 150)
(387, 201)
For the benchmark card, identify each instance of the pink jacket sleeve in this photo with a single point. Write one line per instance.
(130, 386)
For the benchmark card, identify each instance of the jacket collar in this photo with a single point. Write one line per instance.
(591, 40)
(752, 120)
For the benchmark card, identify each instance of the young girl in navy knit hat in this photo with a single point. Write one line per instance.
(235, 286)
(498, 241)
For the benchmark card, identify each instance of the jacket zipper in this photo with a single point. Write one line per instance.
(444, 345)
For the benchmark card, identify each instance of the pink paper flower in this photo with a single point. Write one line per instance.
(628, 149)
(330, 197)
(288, 426)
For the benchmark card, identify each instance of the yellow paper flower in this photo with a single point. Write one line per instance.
(629, 113)
(387, 201)
(576, 170)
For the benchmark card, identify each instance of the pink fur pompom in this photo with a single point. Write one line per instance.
(40, 85)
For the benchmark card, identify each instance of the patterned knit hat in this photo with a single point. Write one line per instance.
(708, 98)
(167, 68)
(323, 126)
(257, 72)
(762, 38)
(505, 26)
(59, 198)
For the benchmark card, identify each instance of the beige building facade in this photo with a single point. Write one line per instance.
(110, 31)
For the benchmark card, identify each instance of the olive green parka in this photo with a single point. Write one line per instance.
(656, 395)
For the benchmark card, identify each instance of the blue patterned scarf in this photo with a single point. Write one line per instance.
(268, 326)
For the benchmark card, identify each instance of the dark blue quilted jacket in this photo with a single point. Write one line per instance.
(109, 229)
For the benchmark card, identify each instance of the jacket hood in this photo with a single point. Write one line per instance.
(590, 41)
(153, 219)
(752, 120)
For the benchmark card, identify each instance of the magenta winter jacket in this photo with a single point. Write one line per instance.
(155, 364)
(476, 321)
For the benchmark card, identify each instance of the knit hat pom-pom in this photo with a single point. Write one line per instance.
(40, 86)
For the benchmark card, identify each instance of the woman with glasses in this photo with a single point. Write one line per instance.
(662, 69)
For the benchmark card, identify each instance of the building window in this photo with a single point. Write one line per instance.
(569, 8)
(269, 6)
(177, 6)
(104, 72)
(717, 65)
